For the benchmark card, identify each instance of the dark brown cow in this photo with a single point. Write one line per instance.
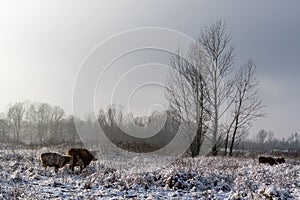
(55, 160)
(272, 161)
(262, 159)
(81, 157)
(280, 160)
(269, 160)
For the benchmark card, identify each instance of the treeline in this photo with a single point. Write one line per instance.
(37, 123)
(265, 141)
(43, 124)
(156, 130)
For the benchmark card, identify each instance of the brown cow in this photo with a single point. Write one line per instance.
(269, 160)
(272, 161)
(262, 159)
(280, 160)
(81, 157)
(55, 160)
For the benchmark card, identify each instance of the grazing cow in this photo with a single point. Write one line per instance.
(272, 161)
(262, 159)
(81, 157)
(280, 160)
(269, 160)
(55, 160)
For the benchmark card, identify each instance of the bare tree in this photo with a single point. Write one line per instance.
(271, 138)
(186, 95)
(108, 121)
(202, 86)
(294, 141)
(4, 130)
(56, 118)
(217, 43)
(42, 111)
(247, 105)
(15, 116)
(31, 121)
(71, 134)
(261, 136)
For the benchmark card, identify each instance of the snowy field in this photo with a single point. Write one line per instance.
(22, 177)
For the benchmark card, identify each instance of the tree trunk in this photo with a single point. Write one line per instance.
(214, 149)
(226, 143)
(196, 144)
(232, 143)
(216, 109)
(234, 134)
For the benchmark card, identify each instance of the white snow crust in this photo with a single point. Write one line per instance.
(23, 177)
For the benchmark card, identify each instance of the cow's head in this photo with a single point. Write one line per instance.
(68, 159)
(94, 153)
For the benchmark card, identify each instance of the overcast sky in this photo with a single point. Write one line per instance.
(43, 43)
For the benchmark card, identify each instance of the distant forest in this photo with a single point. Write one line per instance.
(42, 124)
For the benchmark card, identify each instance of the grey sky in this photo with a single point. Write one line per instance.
(42, 44)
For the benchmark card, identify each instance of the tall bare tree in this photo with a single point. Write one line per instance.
(186, 95)
(217, 43)
(204, 87)
(247, 105)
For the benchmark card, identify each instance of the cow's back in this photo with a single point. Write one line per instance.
(87, 156)
(55, 159)
(263, 159)
(49, 159)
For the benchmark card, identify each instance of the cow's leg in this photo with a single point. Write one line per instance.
(71, 167)
(85, 165)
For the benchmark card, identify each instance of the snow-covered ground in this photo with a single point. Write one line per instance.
(22, 177)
